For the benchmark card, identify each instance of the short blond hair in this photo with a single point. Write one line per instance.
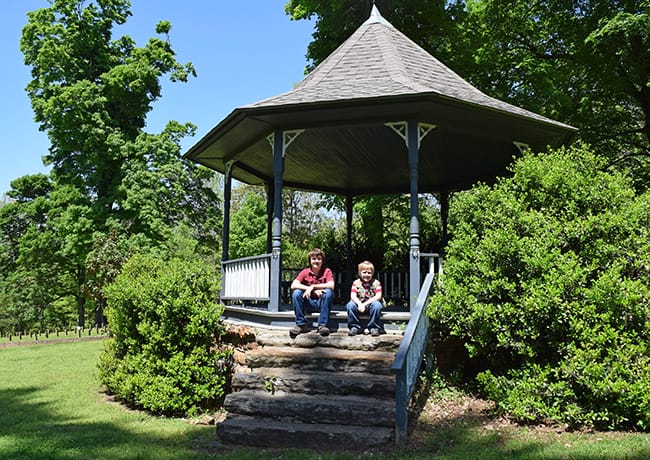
(316, 252)
(365, 265)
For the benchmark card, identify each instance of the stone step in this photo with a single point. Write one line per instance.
(335, 392)
(340, 340)
(266, 432)
(394, 319)
(297, 407)
(291, 380)
(321, 359)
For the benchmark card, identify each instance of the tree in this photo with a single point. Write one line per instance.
(248, 227)
(91, 94)
(302, 217)
(586, 63)
(45, 232)
(547, 282)
(161, 190)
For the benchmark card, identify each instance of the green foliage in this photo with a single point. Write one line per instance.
(160, 190)
(113, 186)
(45, 232)
(584, 63)
(248, 227)
(91, 93)
(165, 322)
(379, 229)
(547, 281)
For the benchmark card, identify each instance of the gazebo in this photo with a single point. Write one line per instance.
(381, 107)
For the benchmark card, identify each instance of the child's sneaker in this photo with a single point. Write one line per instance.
(299, 329)
(374, 332)
(354, 331)
(322, 330)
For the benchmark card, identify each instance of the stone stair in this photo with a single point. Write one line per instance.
(394, 318)
(334, 393)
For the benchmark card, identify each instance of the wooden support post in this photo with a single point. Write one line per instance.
(276, 227)
(225, 231)
(412, 140)
(349, 205)
(270, 195)
(444, 216)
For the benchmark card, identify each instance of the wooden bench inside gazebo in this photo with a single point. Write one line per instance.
(378, 100)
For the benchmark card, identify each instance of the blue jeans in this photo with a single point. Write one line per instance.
(302, 306)
(374, 310)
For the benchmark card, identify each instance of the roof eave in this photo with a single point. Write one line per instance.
(329, 112)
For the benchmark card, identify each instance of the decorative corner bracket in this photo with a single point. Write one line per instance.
(401, 129)
(287, 138)
(229, 166)
(521, 146)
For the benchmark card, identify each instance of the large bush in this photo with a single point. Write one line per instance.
(164, 355)
(546, 281)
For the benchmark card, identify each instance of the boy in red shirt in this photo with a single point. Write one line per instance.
(313, 290)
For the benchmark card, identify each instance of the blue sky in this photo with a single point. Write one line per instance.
(243, 51)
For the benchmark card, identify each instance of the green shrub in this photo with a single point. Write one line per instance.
(165, 321)
(547, 282)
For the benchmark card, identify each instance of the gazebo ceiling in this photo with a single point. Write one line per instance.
(375, 77)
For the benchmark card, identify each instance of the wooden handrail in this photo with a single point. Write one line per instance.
(406, 365)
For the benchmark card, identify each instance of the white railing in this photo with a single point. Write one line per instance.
(247, 278)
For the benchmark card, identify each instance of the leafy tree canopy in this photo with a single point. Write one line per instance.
(90, 93)
(112, 185)
(586, 63)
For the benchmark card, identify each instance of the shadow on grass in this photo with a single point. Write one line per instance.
(31, 429)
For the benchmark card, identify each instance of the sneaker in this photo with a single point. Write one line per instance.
(322, 330)
(353, 331)
(299, 329)
(374, 332)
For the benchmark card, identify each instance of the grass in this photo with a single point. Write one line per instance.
(457, 426)
(52, 407)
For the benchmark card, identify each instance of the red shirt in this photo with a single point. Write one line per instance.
(308, 278)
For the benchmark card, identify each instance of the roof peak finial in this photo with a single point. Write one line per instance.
(375, 16)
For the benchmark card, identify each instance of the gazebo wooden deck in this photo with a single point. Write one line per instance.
(379, 115)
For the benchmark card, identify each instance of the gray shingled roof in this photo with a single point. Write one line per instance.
(375, 77)
(379, 61)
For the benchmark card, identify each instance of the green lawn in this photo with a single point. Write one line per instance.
(52, 407)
